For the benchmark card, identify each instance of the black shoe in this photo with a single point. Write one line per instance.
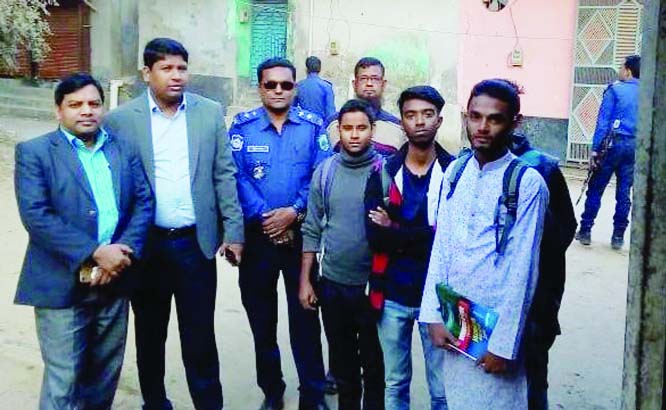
(617, 240)
(584, 236)
(320, 406)
(272, 404)
(330, 385)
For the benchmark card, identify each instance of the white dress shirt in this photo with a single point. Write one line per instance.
(173, 195)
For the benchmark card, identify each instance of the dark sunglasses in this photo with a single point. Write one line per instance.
(285, 85)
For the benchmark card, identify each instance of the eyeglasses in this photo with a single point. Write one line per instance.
(285, 85)
(373, 79)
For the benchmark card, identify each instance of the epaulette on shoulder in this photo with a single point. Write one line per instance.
(610, 85)
(245, 117)
(309, 117)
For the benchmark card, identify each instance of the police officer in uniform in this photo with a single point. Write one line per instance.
(276, 148)
(618, 114)
(314, 93)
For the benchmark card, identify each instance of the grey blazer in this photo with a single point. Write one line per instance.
(212, 169)
(58, 210)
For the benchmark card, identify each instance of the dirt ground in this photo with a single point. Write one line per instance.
(586, 361)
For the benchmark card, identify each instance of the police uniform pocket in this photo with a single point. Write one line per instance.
(258, 170)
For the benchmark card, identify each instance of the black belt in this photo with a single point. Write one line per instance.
(173, 233)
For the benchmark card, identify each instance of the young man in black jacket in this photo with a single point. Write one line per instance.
(401, 233)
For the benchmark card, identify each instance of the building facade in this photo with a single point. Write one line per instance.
(563, 53)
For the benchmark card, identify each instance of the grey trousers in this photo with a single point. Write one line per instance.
(82, 347)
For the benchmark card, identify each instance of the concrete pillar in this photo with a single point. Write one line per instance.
(645, 337)
(114, 38)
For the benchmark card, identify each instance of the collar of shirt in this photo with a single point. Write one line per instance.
(493, 165)
(632, 80)
(265, 121)
(102, 137)
(155, 109)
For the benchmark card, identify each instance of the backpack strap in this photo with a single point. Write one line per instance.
(457, 171)
(386, 179)
(326, 182)
(509, 200)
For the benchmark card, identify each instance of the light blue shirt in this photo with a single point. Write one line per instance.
(99, 176)
(173, 194)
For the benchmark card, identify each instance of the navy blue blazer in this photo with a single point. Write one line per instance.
(58, 210)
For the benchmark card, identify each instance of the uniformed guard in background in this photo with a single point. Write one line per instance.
(314, 93)
(276, 148)
(618, 116)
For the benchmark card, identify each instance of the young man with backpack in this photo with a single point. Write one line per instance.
(486, 249)
(335, 228)
(559, 228)
(401, 234)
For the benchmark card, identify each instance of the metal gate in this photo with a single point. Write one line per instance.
(70, 43)
(269, 32)
(607, 31)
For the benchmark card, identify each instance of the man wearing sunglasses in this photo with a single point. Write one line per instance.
(369, 84)
(276, 148)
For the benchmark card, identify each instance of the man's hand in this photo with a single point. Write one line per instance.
(278, 220)
(307, 296)
(491, 363)
(594, 160)
(440, 336)
(232, 252)
(380, 217)
(113, 258)
(103, 277)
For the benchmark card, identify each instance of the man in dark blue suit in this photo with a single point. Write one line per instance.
(85, 202)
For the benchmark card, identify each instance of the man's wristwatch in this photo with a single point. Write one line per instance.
(300, 214)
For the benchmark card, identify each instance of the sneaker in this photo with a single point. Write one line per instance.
(617, 240)
(320, 406)
(584, 237)
(272, 404)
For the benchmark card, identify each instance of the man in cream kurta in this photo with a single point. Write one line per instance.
(465, 256)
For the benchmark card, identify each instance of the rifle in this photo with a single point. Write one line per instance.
(604, 147)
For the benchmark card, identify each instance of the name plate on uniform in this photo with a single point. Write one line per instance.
(257, 148)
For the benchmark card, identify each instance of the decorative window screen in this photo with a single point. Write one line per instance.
(269, 32)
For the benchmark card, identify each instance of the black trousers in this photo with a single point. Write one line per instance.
(355, 353)
(176, 267)
(536, 368)
(258, 275)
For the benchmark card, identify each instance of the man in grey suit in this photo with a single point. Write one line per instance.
(83, 198)
(185, 150)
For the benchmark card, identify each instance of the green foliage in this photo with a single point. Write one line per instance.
(23, 25)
